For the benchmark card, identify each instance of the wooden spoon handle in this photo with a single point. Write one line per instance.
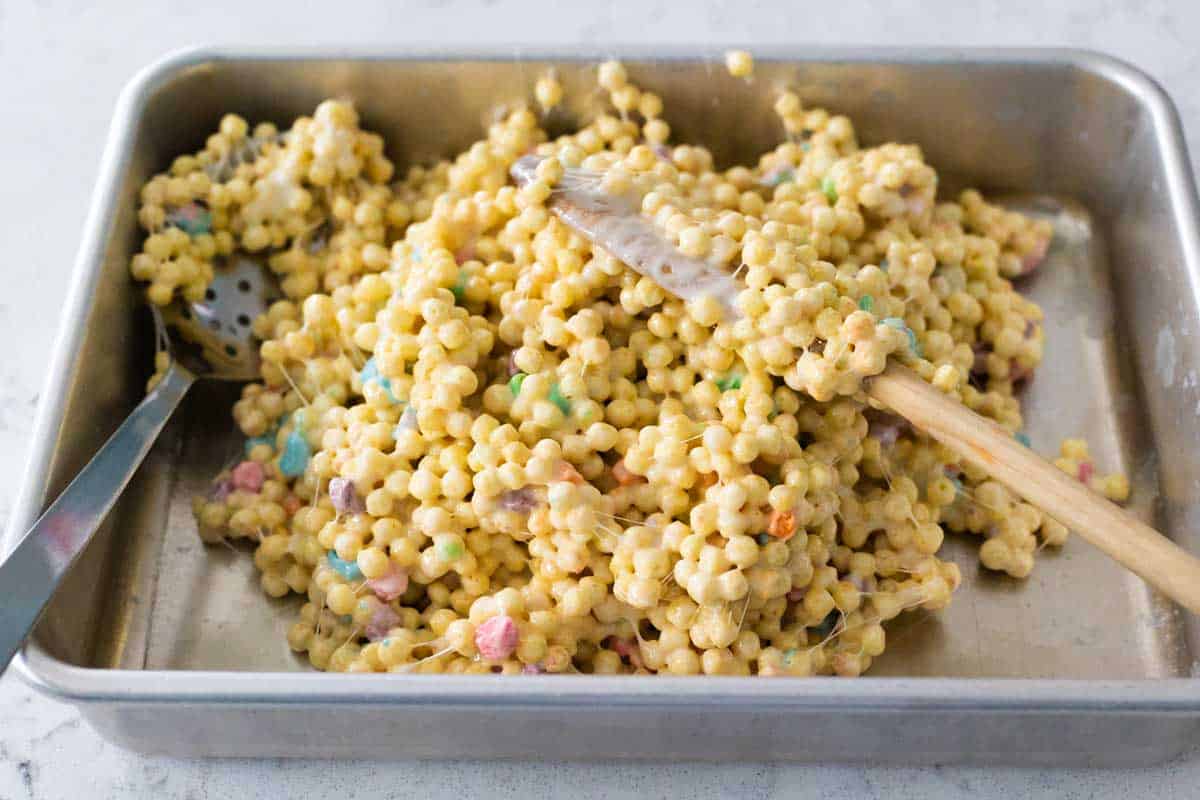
(985, 444)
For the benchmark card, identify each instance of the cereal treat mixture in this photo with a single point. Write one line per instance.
(481, 443)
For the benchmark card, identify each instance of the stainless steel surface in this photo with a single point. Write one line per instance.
(1079, 664)
(218, 329)
(31, 573)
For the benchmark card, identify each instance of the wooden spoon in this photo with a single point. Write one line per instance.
(615, 224)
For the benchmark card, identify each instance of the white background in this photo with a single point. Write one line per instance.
(62, 63)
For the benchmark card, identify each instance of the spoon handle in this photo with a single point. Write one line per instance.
(1143, 550)
(31, 573)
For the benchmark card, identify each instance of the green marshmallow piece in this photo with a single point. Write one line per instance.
(830, 190)
(730, 382)
(556, 397)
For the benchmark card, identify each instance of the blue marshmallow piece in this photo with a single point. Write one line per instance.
(193, 219)
(899, 324)
(408, 422)
(347, 569)
(296, 453)
(253, 442)
(370, 373)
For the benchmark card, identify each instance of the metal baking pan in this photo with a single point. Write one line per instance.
(168, 646)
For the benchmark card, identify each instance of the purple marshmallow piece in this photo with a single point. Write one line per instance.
(521, 500)
(345, 498)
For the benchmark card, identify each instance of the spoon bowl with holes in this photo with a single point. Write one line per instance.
(211, 339)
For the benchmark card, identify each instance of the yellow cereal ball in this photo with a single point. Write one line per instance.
(341, 599)
(1076, 449)
(1054, 533)
(548, 91)
(739, 63)
(612, 75)
(1115, 487)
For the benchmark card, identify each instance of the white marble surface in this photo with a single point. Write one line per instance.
(62, 63)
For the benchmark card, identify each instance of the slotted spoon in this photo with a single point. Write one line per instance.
(211, 339)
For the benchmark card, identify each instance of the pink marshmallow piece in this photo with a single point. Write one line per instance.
(248, 476)
(1035, 257)
(220, 490)
(628, 648)
(391, 585)
(622, 647)
(497, 638)
(1086, 470)
(382, 621)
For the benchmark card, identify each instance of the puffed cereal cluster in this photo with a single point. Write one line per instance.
(481, 444)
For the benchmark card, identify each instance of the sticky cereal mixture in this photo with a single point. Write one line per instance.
(481, 444)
